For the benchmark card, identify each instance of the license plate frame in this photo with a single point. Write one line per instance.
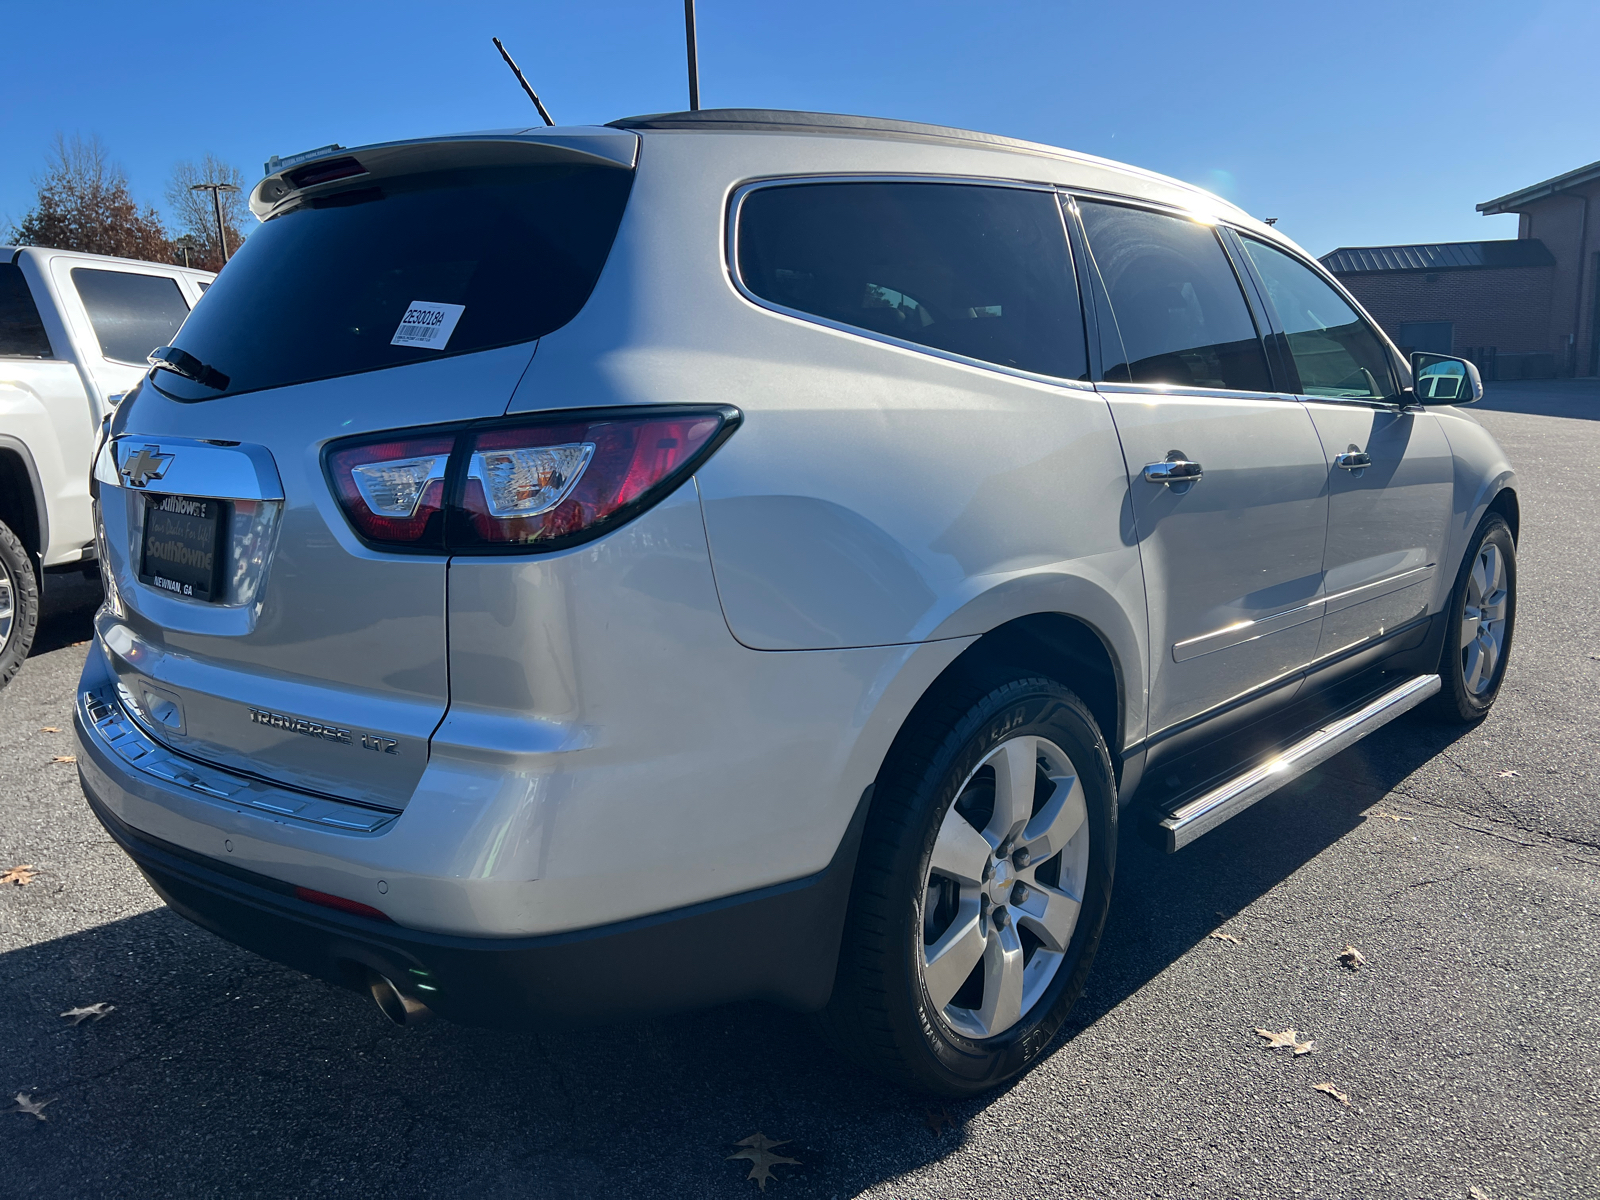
(190, 535)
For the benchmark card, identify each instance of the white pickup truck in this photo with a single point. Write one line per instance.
(74, 333)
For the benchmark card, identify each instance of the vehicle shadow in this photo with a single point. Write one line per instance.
(67, 605)
(221, 1072)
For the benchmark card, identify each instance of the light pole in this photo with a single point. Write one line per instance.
(216, 190)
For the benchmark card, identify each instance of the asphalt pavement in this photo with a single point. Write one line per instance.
(1464, 866)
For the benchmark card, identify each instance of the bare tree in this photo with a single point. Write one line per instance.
(195, 216)
(84, 204)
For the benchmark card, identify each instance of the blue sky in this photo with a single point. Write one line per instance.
(1353, 123)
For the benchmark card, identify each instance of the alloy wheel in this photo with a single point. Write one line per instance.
(1005, 884)
(1483, 620)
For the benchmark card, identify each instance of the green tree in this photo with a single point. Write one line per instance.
(84, 204)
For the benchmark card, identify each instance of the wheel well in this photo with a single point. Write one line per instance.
(1062, 647)
(1505, 503)
(17, 503)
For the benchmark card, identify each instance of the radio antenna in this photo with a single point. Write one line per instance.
(517, 71)
(694, 62)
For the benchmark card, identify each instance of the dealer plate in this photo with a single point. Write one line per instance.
(184, 546)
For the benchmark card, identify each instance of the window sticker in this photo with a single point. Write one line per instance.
(427, 325)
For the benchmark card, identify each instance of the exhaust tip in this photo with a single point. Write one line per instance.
(400, 1008)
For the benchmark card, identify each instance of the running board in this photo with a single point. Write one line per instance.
(1205, 812)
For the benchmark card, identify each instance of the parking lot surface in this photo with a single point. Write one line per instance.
(1464, 866)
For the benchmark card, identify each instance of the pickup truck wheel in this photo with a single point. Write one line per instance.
(19, 605)
(1479, 623)
(981, 890)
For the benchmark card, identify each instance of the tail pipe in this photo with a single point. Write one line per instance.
(395, 1004)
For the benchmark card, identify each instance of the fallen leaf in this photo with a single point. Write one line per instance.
(1510, 774)
(65, 758)
(1352, 958)
(1329, 1090)
(1286, 1041)
(937, 1118)
(1477, 1193)
(20, 875)
(758, 1151)
(27, 1106)
(1391, 816)
(1226, 937)
(96, 1012)
(50, 729)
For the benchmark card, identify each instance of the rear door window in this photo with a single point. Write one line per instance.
(406, 269)
(131, 313)
(1336, 353)
(979, 271)
(22, 333)
(1177, 303)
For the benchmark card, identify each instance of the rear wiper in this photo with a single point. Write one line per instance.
(181, 362)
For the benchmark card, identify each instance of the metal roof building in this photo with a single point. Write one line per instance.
(1439, 256)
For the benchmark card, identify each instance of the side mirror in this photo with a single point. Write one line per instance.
(1443, 379)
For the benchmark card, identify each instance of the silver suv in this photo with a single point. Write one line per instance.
(570, 573)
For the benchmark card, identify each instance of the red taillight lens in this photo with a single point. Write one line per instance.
(529, 485)
(393, 492)
(540, 486)
(340, 903)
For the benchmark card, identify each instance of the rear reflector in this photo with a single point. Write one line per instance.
(535, 484)
(339, 902)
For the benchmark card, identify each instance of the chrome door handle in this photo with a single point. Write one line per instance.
(1174, 471)
(1352, 460)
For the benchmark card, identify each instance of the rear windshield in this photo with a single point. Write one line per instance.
(403, 271)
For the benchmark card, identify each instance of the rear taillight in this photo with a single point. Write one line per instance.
(527, 485)
(393, 492)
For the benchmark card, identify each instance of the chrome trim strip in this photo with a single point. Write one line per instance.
(1246, 631)
(731, 266)
(117, 733)
(1350, 597)
(1206, 812)
(195, 468)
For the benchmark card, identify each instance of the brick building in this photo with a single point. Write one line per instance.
(1527, 308)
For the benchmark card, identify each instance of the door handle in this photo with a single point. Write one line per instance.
(1176, 470)
(1352, 459)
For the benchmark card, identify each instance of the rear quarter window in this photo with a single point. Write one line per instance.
(479, 257)
(131, 313)
(975, 270)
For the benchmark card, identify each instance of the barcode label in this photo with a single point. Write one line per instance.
(427, 325)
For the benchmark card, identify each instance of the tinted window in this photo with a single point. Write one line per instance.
(466, 259)
(1336, 353)
(131, 314)
(978, 271)
(1177, 303)
(22, 334)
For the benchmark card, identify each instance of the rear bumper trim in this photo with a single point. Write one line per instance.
(106, 725)
(778, 943)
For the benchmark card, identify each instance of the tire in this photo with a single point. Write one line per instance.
(935, 888)
(1472, 664)
(19, 605)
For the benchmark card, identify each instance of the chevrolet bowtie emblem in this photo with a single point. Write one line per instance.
(139, 469)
